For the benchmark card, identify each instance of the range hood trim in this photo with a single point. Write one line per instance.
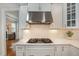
(43, 20)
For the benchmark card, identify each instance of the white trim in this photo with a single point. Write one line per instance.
(12, 15)
(10, 9)
(3, 34)
(3, 30)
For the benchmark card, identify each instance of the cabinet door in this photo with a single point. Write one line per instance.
(40, 51)
(70, 15)
(45, 7)
(19, 50)
(39, 7)
(19, 53)
(33, 7)
(46, 51)
(74, 51)
(51, 51)
(66, 51)
(58, 50)
(57, 16)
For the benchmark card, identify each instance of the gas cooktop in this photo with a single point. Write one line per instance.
(39, 40)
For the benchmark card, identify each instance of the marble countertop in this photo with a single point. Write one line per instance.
(55, 41)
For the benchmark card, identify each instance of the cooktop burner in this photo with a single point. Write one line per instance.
(39, 40)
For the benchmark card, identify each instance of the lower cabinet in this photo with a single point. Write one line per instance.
(20, 53)
(62, 50)
(40, 52)
(58, 50)
(66, 50)
(53, 50)
(74, 51)
(20, 50)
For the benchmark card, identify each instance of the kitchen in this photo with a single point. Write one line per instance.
(55, 29)
(47, 29)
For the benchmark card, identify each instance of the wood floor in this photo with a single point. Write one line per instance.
(10, 51)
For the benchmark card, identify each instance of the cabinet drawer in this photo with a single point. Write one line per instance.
(39, 52)
(19, 48)
(40, 46)
(19, 53)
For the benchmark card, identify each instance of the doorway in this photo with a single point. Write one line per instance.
(11, 32)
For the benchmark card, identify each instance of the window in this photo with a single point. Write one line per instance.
(68, 16)
(68, 4)
(71, 15)
(68, 23)
(73, 22)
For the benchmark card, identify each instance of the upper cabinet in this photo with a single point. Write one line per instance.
(45, 6)
(71, 15)
(39, 7)
(57, 16)
(33, 7)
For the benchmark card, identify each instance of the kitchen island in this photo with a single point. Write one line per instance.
(58, 48)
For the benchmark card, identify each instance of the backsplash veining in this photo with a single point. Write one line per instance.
(43, 31)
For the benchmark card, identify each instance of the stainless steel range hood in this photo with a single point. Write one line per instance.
(40, 17)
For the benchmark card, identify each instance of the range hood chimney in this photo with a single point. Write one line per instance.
(40, 17)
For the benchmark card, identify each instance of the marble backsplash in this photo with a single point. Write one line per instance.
(43, 31)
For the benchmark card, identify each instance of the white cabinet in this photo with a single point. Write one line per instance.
(66, 51)
(45, 6)
(33, 7)
(71, 15)
(57, 16)
(46, 50)
(39, 51)
(22, 20)
(58, 50)
(62, 50)
(19, 53)
(74, 51)
(39, 7)
(19, 50)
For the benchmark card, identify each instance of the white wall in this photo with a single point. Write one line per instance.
(2, 33)
(3, 7)
(22, 20)
(77, 15)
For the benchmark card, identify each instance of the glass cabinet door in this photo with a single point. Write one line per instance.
(71, 15)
